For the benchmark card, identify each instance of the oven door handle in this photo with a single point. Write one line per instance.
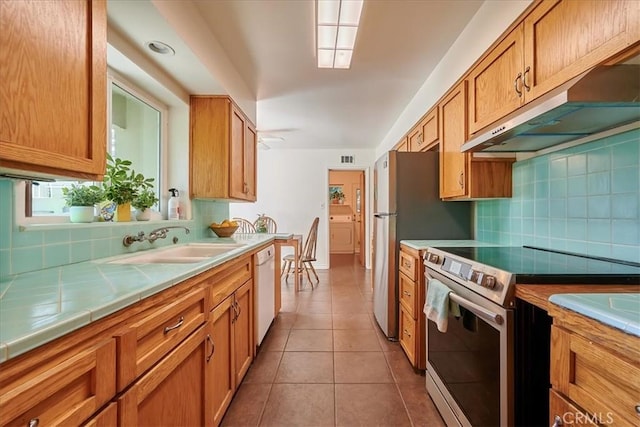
(476, 309)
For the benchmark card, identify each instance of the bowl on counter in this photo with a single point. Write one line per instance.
(224, 231)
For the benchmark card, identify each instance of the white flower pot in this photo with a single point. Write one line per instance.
(144, 215)
(81, 213)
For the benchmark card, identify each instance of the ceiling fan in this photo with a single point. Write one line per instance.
(268, 137)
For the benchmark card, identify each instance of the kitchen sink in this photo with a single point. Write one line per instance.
(185, 254)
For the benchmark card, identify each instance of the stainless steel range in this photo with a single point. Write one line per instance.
(491, 366)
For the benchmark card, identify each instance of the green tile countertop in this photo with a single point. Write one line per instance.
(424, 244)
(621, 311)
(40, 306)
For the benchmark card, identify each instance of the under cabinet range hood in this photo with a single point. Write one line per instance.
(602, 98)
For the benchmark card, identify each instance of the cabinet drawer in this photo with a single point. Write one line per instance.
(408, 265)
(108, 417)
(64, 392)
(595, 378)
(567, 413)
(227, 281)
(154, 335)
(407, 295)
(407, 335)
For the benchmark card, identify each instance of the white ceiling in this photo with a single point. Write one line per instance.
(270, 44)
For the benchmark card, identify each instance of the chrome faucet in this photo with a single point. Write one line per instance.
(158, 233)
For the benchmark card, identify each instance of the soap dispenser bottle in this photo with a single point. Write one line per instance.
(173, 208)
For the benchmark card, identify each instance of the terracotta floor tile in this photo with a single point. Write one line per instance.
(310, 340)
(285, 320)
(306, 367)
(247, 405)
(275, 340)
(421, 409)
(314, 307)
(361, 367)
(300, 405)
(369, 405)
(401, 369)
(355, 340)
(264, 367)
(352, 321)
(313, 321)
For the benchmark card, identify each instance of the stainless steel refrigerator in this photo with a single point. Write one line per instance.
(407, 206)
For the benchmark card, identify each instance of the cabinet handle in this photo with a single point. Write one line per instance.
(406, 293)
(245, 189)
(407, 333)
(176, 326)
(461, 180)
(239, 309)
(638, 409)
(524, 79)
(407, 264)
(515, 84)
(34, 422)
(235, 312)
(557, 421)
(213, 348)
(419, 139)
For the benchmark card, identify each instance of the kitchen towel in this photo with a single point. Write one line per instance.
(437, 305)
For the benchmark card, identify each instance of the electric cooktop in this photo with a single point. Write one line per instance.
(542, 266)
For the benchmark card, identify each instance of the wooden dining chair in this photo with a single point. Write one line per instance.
(307, 256)
(244, 225)
(270, 224)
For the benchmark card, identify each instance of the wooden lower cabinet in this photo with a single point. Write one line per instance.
(411, 319)
(108, 417)
(221, 365)
(66, 390)
(243, 347)
(342, 238)
(595, 372)
(176, 391)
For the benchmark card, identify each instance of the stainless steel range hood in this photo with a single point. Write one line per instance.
(602, 98)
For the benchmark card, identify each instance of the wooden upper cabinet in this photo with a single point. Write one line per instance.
(453, 133)
(53, 69)
(222, 152)
(565, 38)
(424, 136)
(556, 41)
(402, 145)
(495, 84)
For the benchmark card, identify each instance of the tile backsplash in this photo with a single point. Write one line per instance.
(584, 199)
(23, 251)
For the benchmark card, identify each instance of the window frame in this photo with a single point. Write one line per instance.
(22, 189)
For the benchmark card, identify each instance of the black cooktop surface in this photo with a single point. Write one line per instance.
(534, 265)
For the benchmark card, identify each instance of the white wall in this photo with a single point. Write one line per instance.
(292, 188)
(493, 17)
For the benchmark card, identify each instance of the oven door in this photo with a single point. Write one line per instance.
(470, 366)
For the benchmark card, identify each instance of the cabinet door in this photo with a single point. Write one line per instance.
(53, 95)
(243, 330)
(453, 133)
(237, 181)
(403, 145)
(565, 38)
(108, 417)
(175, 391)
(407, 335)
(342, 239)
(250, 160)
(68, 392)
(408, 295)
(425, 135)
(561, 412)
(221, 364)
(495, 84)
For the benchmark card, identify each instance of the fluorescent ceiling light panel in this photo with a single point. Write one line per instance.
(337, 27)
(327, 36)
(350, 12)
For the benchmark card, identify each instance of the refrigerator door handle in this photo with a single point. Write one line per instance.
(384, 214)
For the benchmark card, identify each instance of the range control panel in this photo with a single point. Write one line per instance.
(490, 282)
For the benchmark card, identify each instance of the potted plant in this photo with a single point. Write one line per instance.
(122, 184)
(81, 200)
(336, 195)
(143, 202)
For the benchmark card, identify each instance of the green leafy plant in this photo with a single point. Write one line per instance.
(145, 199)
(121, 183)
(82, 195)
(336, 194)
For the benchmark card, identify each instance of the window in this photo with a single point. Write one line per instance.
(136, 133)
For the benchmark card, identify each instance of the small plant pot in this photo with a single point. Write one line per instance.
(81, 213)
(123, 212)
(143, 215)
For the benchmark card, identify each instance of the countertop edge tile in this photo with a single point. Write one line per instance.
(112, 307)
(581, 304)
(3, 352)
(424, 244)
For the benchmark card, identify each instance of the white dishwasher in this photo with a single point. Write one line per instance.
(265, 290)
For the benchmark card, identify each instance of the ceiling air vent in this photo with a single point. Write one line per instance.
(346, 160)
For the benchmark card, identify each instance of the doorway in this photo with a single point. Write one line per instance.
(347, 213)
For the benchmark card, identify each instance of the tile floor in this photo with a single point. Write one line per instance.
(324, 362)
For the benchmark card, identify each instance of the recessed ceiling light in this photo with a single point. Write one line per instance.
(336, 28)
(160, 48)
